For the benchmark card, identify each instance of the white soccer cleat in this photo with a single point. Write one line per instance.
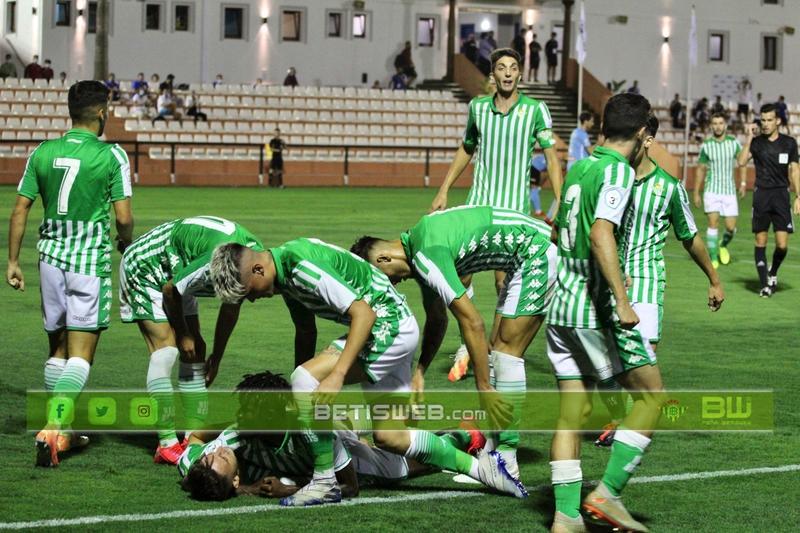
(492, 473)
(317, 492)
(772, 283)
(510, 459)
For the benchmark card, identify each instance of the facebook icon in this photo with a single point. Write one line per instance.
(61, 411)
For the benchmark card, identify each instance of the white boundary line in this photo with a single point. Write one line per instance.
(442, 495)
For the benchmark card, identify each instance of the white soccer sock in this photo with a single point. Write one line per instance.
(194, 395)
(510, 380)
(159, 385)
(53, 368)
(632, 438)
(303, 384)
(567, 471)
(74, 376)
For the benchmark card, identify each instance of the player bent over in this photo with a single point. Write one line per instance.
(233, 463)
(586, 340)
(78, 177)
(316, 278)
(445, 246)
(161, 274)
(658, 202)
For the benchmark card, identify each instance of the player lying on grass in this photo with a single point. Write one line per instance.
(319, 279)
(161, 274)
(276, 464)
(658, 202)
(441, 249)
(78, 177)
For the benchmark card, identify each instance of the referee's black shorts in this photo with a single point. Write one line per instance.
(772, 206)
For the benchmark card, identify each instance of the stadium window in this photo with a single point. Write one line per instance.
(772, 2)
(334, 28)
(11, 17)
(91, 19)
(152, 16)
(770, 52)
(717, 43)
(233, 23)
(291, 25)
(182, 17)
(359, 25)
(426, 31)
(62, 13)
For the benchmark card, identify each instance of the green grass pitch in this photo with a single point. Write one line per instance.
(750, 344)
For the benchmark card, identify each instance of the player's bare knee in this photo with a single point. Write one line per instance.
(391, 441)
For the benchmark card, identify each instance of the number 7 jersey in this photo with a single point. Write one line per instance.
(77, 176)
(597, 187)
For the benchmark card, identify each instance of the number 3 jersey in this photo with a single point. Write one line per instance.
(596, 187)
(180, 251)
(77, 176)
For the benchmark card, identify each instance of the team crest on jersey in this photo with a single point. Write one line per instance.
(658, 188)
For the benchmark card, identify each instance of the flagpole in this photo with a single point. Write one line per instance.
(580, 48)
(691, 62)
(580, 92)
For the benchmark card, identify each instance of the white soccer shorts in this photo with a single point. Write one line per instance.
(75, 301)
(727, 205)
(649, 322)
(372, 462)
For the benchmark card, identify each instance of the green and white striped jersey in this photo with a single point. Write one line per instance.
(658, 201)
(77, 176)
(258, 459)
(720, 158)
(505, 144)
(446, 245)
(181, 251)
(327, 279)
(596, 187)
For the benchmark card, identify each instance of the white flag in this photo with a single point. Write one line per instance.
(580, 45)
(693, 41)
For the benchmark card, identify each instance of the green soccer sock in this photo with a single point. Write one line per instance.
(159, 385)
(727, 237)
(567, 477)
(712, 236)
(303, 384)
(510, 381)
(439, 452)
(53, 369)
(458, 438)
(194, 394)
(626, 454)
(611, 394)
(69, 385)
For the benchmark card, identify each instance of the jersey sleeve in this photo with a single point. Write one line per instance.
(28, 184)
(703, 157)
(615, 192)
(325, 283)
(192, 278)
(543, 126)
(793, 157)
(438, 271)
(228, 438)
(681, 215)
(471, 134)
(120, 175)
(738, 147)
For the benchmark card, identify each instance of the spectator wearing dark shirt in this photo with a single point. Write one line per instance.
(47, 71)
(675, 109)
(783, 113)
(700, 114)
(276, 163)
(484, 54)
(193, 108)
(398, 81)
(169, 83)
(551, 53)
(33, 70)
(634, 89)
(62, 78)
(8, 69)
(404, 61)
(518, 44)
(470, 49)
(535, 51)
(139, 83)
(291, 78)
(113, 87)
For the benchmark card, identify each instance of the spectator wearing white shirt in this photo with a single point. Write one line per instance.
(167, 107)
(140, 102)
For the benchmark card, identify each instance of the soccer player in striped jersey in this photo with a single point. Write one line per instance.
(319, 279)
(714, 175)
(78, 177)
(443, 248)
(590, 333)
(502, 131)
(161, 275)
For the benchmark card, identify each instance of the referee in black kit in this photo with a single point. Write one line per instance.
(776, 161)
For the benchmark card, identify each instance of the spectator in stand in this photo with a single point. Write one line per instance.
(167, 107)
(580, 145)
(140, 101)
(518, 44)
(551, 52)
(291, 78)
(535, 50)
(484, 54)
(139, 83)
(193, 108)
(470, 49)
(404, 61)
(113, 87)
(47, 70)
(376, 84)
(398, 81)
(757, 109)
(62, 78)
(675, 108)
(277, 146)
(33, 70)
(634, 89)
(8, 69)
(258, 83)
(783, 113)
(218, 81)
(744, 99)
(700, 114)
(719, 108)
(492, 42)
(169, 83)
